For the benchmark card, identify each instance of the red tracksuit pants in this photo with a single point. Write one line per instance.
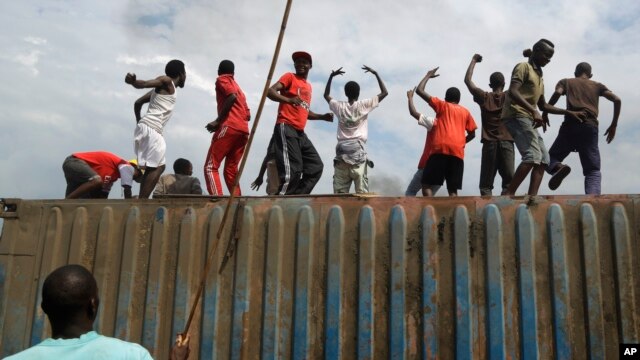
(226, 143)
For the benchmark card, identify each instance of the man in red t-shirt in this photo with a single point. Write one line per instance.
(299, 165)
(90, 175)
(231, 129)
(453, 128)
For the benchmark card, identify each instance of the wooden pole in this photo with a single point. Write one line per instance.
(210, 257)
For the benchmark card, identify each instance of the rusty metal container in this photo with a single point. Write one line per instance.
(339, 277)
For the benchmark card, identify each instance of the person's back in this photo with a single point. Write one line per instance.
(453, 122)
(180, 183)
(88, 346)
(583, 95)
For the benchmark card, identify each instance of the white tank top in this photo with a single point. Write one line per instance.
(160, 110)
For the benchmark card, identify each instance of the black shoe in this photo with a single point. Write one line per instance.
(558, 176)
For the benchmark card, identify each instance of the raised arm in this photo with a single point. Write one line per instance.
(327, 89)
(137, 106)
(420, 89)
(159, 82)
(617, 104)
(383, 89)
(412, 108)
(475, 91)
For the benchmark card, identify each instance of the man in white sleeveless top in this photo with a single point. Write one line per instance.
(150, 146)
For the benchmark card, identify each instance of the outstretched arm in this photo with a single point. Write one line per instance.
(326, 117)
(383, 89)
(420, 89)
(617, 104)
(160, 81)
(327, 88)
(475, 91)
(412, 108)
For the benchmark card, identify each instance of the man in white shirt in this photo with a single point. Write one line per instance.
(350, 163)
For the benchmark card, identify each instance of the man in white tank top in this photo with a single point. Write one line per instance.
(149, 143)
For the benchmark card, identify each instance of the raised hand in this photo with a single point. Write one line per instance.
(369, 70)
(432, 73)
(337, 72)
(130, 78)
(410, 93)
(477, 58)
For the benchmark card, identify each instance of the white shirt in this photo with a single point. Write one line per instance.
(352, 118)
(426, 121)
(160, 110)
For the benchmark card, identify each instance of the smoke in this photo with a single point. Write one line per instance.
(387, 185)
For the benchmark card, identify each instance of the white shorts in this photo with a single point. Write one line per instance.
(149, 146)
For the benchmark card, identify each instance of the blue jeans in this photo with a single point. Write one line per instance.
(574, 136)
(415, 186)
(527, 140)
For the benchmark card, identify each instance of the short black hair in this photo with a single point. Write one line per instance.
(452, 95)
(174, 68)
(352, 90)
(496, 79)
(68, 291)
(180, 166)
(226, 67)
(583, 68)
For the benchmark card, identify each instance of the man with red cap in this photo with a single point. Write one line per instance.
(299, 165)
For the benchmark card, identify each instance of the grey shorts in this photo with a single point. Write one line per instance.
(77, 172)
(527, 140)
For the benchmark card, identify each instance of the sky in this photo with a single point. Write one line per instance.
(64, 63)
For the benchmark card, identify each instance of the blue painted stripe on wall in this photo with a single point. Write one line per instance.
(463, 293)
(332, 312)
(494, 282)
(398, 233)
(366, 228)
(623, 256)
(560, 275)
(271, 284)
(593, 281)
(300, 318)
(429, 239)
(240, 284)
(525, 237)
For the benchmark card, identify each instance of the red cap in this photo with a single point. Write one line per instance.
(302, 54)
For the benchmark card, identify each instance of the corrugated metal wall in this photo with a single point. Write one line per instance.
(341, 277)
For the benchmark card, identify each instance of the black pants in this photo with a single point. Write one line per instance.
(497, 157)
(298, 162)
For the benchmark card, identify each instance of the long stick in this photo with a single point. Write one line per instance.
(205, 272)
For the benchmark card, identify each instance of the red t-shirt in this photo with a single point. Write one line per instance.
(426, 152)
(105, 164)
(450, 129)
(294, 115)
(239, 114)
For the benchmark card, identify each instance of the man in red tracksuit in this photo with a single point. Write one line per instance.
(231, 131)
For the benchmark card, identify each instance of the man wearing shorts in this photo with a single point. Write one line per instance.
(231, 131)
(90, 175)
(521, 117)
(453, 128)
(351, 161)
(298, 162)
(149, 143)
(581, 136)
